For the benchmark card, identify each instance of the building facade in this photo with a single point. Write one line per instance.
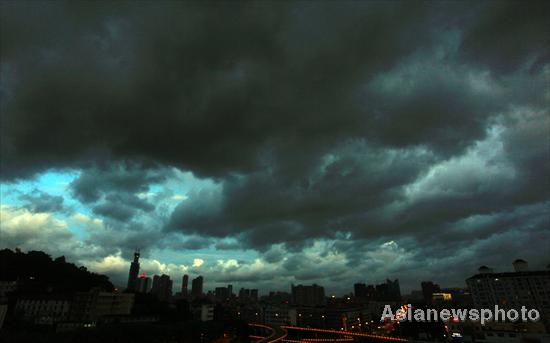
(162, 287)
(46, 309)
(279, 315)
(133, 273)
(512, 290)
(184, 285)
(143, 284)
(207, 312)
(196, 287)
(90, 306)
(308, 295)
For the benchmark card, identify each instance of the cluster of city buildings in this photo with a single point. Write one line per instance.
(308, 305)
(65, 311)
(161, 286)
(388, 291)
(487, 289)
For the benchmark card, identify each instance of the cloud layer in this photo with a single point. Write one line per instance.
(381, 138)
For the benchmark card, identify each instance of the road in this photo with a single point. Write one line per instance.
(277, 333)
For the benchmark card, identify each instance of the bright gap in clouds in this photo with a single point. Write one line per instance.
(74, 230)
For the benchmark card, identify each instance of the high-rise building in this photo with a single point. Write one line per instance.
(389, 291)
(230, 290)
(244, 293)
(134, 271)
(162, 287)
(428, 289)
(512, 290)
(248, 294)
(254, 294)
(196, 286)
(221, 293)
(184, 284)
(360, 290)
(143, 284)
(313, 295)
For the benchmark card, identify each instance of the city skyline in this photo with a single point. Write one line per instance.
(269, 144)
(365, 286)
(63, 300)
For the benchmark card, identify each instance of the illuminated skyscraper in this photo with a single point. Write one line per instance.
(134, 271)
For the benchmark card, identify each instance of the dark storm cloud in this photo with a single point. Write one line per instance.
(38, 201)
(316, 120)
(360, 191)
(508, 34)
(159, 83)
(113, 189)
(228, 245)
(122, 206)
(273, 255)
(114, 210)
(116, 237)
(191, 243)
(94, 183)
(270, 209)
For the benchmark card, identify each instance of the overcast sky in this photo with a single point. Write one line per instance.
(269, 143)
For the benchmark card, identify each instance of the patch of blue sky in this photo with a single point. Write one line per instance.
(52, 182)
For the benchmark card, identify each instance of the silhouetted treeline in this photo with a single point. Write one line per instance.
(37, 271)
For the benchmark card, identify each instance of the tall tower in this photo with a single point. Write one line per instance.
(196, 290)
(134, 271)
(162, 287)
(230, 290)
(184, 284)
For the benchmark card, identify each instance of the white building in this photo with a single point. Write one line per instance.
(207, 312)
(512, 290)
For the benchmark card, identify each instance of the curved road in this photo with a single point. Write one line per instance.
(348, 333)
(277, 333)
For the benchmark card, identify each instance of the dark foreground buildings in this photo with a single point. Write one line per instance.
(388, 291)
